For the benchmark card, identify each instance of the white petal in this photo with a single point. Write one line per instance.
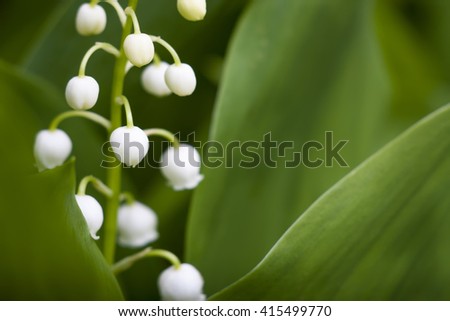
(183, 284)
(192, 10)
(181, 167)
(139, 49)
(181, 79)
(129, 144)
(51, 148)
(187, 184)
(82, 92)
(153, 79)
(92, 212)
(137, 225)
(90, 20)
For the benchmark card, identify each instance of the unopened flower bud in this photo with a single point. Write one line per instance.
(181, 79)
(137, 225)
(92, 212)
(90, 20)
(182, 284)
(51, 148)
(192, 10)
(130, 144)
(153, 79)
(181, 167)
(139, 49)
(82, 92)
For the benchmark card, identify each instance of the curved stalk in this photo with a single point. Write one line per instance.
(168, 47)
(99, 45)
(96, 183)
(131, 13)
(96, 118)
(163, 133)
(126, 104)
(119, 10)
(129, 261)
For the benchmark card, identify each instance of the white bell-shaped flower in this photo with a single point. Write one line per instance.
(82, 92)
(92, 212)
(139, 49)
(180, 78)
(153, 79)
(51, 148)
(181, 167)
(182, 284)
(137, 225)
(192, 10)
(90, 20)
(130, 144)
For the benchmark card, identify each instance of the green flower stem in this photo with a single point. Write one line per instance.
(114, 174)
(169, 48)
(120, 12)
(126, 104)
(98, 185)
(127, 197)
(163, 133)
(169, 256)
(130, 12)
(128, 262)
(94, 3)
(156, 59)
(99, 45)
(80, 113)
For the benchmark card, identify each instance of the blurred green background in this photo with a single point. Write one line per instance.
(364, 69)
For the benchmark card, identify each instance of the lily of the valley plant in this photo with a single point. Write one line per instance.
(126, 221)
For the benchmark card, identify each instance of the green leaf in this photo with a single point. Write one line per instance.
(46, 249)
(47, 252)
(295, 69)
(381, 233)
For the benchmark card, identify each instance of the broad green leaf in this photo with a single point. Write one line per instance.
(47, 252)
(295, 69)
(46, 249)
(381, 233)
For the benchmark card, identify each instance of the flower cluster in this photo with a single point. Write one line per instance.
(136, 223)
